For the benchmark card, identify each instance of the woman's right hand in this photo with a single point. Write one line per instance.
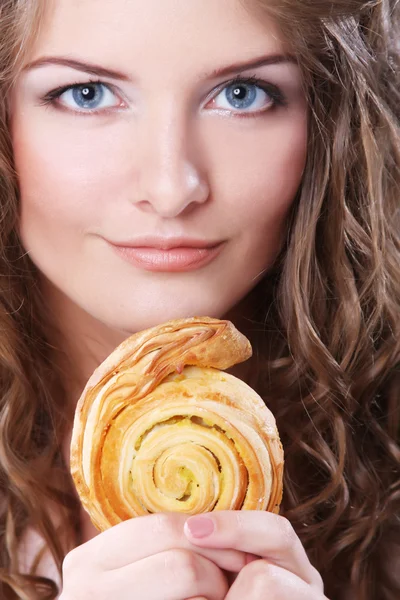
(148, 558)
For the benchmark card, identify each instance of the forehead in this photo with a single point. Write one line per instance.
(167, 33)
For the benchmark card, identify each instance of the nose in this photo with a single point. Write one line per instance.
(171, 179)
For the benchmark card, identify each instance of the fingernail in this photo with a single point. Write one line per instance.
(199, 527)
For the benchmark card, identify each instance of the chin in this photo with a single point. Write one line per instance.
(155, 311)
(146, 318)
(121, 312)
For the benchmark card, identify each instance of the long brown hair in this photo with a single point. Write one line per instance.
(327, 340)
(335, 387)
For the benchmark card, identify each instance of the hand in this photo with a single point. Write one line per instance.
(282, 572)
(147, 558)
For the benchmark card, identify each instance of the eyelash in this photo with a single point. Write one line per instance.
(276, 95)
(50, 98)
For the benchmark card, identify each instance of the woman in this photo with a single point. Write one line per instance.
(239, 159)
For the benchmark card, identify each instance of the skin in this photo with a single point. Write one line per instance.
(169, 156)
(173, 159)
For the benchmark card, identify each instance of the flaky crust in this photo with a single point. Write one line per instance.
(160, 427)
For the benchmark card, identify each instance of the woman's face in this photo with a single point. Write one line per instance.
(154, 186)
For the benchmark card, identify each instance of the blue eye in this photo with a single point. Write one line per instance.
(248, 95)
(92, 96)
(242, 95)
(85, 97)
(88, 96)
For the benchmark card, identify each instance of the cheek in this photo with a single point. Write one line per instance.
(261, 173)
(64, 177)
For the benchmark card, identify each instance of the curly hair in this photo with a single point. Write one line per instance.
(326, 335)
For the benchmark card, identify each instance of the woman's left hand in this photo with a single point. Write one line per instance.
(278, 567)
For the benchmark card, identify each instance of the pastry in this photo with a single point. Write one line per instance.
(161, 427)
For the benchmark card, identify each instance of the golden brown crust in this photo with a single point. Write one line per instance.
(160, 427)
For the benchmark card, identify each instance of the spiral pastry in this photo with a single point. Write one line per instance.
(159, 427)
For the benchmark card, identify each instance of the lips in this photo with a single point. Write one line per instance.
(168, 255)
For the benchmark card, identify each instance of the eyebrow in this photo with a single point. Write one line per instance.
(78, 65)
(253, 63)
(99, 71)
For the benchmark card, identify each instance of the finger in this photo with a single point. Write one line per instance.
(170, 575)
(231, 576)
(262, 579)
(141, 537)
(261, 533)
